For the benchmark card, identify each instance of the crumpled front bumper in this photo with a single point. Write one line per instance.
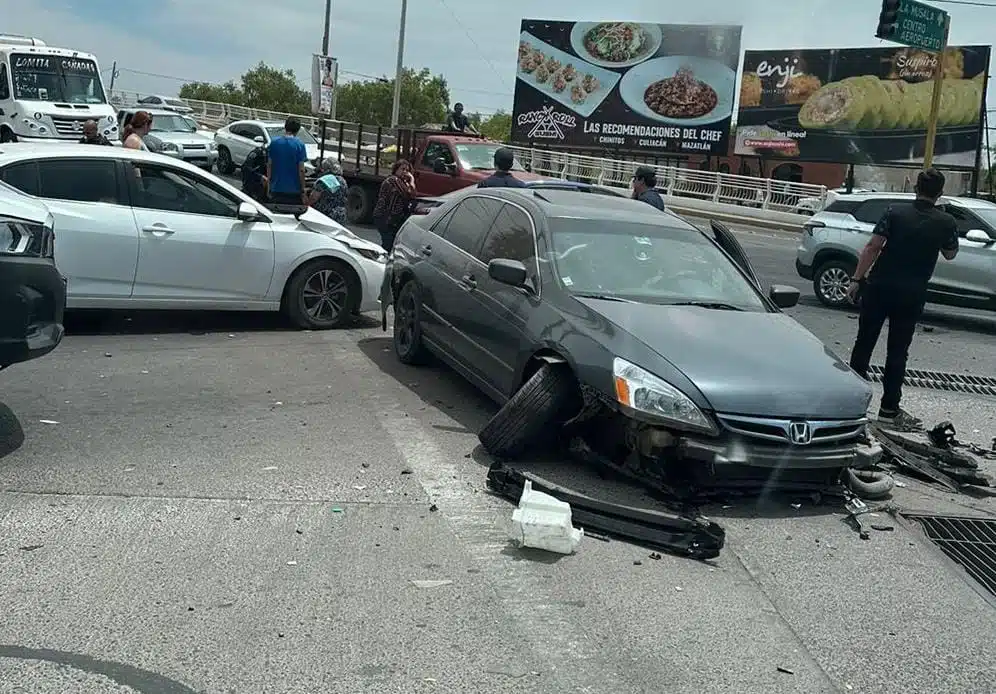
(746, 453)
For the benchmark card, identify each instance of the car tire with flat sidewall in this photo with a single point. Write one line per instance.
(408, 345)
(533, 413)
(11, 433)
(225, 164)
(322, 280)
(830, 282)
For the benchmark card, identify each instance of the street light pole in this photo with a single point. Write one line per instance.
(396, 109)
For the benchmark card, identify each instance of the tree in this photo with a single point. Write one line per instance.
(424, 100)
(262, 87)
(497, 126)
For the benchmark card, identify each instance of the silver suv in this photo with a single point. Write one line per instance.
(833, 238)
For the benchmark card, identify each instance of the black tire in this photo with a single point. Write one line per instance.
(11, 433)
(869, 484)
(532, 413)
(323, 278)
(225, 164)
(408, 345)
(830, 282)
(359, 204)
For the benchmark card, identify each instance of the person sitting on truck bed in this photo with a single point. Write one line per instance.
(92, 136)
(328, 195)
(502, 177)
(285, 166)
(458, 122)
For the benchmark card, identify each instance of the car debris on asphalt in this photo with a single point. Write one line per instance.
(919, 455)
(544, 522)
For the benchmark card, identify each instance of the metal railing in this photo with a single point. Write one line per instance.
(370, 143)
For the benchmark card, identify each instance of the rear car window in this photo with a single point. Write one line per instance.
(871, 211)
(23, 176)
(843, 206)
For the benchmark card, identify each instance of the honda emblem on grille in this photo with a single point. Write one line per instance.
(800, 433)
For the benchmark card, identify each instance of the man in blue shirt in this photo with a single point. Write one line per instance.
(644, 182)
(285, 166)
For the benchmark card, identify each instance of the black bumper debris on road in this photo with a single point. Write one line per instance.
(695, 538)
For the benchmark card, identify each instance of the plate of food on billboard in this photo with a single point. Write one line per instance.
(861, 105)
(626, 86)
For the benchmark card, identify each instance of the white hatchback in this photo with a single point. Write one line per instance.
(144, 231)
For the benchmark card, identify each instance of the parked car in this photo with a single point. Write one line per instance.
(169, 103)
(176, 136)
(144, 231)
(32, 292)
(423, 205)
(832, 240)
(236, 140)
(544, 299)
(810, 206)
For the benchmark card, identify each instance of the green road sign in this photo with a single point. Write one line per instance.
(919, 26)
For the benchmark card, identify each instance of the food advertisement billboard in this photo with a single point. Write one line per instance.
(861, 105)
(626, 86)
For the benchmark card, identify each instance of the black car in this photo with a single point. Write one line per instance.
(562, 306)
(32, 292)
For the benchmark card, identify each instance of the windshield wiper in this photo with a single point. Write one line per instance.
(716, 305)
(604, 297)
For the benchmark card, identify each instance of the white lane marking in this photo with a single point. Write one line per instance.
(555, 639)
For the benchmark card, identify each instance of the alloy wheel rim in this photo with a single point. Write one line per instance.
(406, 322)
(324, 296)
(833, 284)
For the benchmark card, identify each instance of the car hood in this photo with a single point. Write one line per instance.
(16, 205)
(315, 221)
(521, 175)
(183, 139)
(755, 364)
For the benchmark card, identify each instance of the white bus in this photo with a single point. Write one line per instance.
(49, 93)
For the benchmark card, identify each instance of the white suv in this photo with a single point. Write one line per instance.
(833, 238)
(236, 140)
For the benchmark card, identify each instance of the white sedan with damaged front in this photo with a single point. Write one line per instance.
(136, 230)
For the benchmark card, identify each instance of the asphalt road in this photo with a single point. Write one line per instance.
(216, 504)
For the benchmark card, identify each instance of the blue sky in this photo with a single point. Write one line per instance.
(471, 42)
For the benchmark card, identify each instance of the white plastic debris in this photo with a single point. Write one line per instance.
(544, 522)
(432, 584)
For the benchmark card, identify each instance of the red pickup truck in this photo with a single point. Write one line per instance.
(443, 162)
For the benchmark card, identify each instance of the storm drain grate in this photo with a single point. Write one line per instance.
(939, 380)
(969, 542)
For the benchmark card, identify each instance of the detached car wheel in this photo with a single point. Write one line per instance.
(831, 281)
(11, 433)
(323, 294)
(408, 345)
(529, 417)
(225, 164)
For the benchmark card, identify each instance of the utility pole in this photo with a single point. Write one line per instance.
(114, 73)
(325, 53)
(396, 109)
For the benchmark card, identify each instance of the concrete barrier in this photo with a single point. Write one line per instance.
(734, 214)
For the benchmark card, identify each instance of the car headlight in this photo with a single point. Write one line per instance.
(370, 254)
(640, 390)
(18, 237)
(170, 147)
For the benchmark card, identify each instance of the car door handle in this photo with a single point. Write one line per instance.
(468, 282)
(158, 229)
(426, 250)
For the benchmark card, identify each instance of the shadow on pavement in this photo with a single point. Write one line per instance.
(91, 322)
(11, 432)
(965, 320)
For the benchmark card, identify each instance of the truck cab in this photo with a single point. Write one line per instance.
(445, 162)
(48, 93)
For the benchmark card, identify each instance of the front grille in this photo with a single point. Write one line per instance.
(69, 126)
(195, 147)
(783, 430)
(969, 542)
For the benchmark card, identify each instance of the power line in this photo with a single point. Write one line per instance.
(970, 3)
(473, 41)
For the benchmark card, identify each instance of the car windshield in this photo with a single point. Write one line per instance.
(647, 263)
(988, 215)
(172, 124)
(56, 78)
(481, 156)
(302, 134)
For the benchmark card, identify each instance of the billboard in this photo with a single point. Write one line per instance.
(861, 105)
(626, 86)
(324, 74)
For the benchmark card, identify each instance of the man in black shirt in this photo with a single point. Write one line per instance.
(502, 177)
(644, 184)
(458, 122)
(92, 136)
(901, 255)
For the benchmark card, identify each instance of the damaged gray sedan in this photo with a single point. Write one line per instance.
(604, 321)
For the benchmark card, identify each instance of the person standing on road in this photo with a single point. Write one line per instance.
(285, 166)
(644, 184)
(901, 256)
(255, 184)
(136, 130)
(328, 195)
(458, 122)
(502, 177)
(394, 202)
(92, 136)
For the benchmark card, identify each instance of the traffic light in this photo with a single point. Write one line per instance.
(888, 20)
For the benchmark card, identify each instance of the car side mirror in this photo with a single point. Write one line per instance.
(506, 271)
(783, 296)
(248, 212)
(439, 166)
(258, 140)
(978, 236)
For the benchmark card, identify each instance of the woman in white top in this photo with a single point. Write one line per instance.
(137, 128)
